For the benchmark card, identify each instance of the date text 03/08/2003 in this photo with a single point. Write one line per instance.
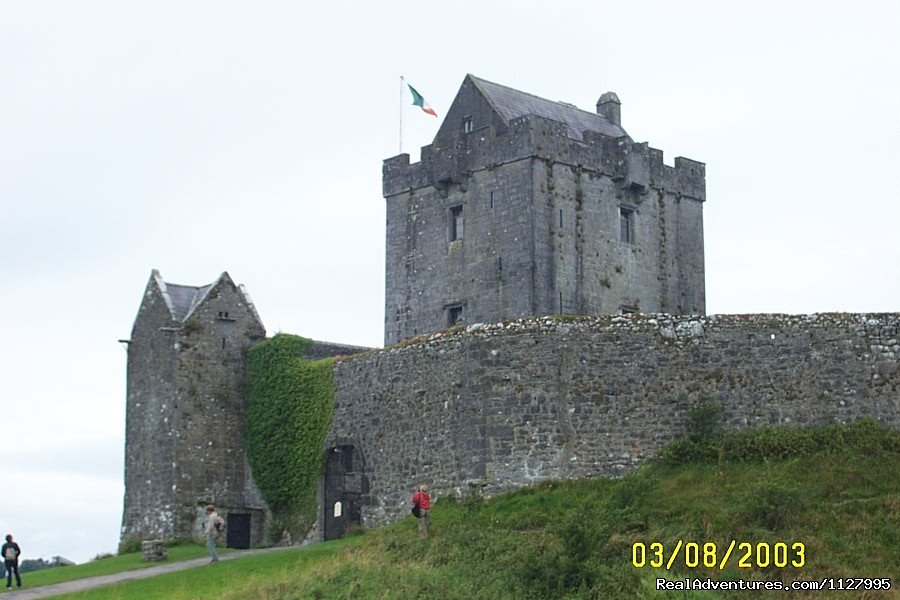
(745, 555)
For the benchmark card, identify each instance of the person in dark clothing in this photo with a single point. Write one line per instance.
(11, 552)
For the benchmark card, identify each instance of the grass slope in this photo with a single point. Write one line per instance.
(573, 539)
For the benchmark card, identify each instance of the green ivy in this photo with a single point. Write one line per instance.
(289, 404)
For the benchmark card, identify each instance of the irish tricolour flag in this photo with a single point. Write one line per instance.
(419, 101)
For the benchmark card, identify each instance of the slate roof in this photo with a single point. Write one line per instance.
(185, 298)
(511, 103)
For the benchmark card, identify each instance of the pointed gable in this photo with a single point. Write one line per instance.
(487, 103)
(185, 298)
(182, 300)
(469, 103)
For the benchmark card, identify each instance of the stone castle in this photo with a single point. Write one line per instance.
(523, 206)
(567, 262)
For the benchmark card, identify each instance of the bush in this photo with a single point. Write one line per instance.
(573, 558)
(130, 545)
(627, 500)
(703, 419)
(772, 505)
(702, 432)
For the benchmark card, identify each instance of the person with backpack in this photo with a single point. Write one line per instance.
(211, 529)
(11, 552)
(422, 500)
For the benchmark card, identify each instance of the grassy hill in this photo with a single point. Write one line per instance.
(835, 489)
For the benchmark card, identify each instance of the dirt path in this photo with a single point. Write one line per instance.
(88, 583)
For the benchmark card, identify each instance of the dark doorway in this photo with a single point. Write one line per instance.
(342, 491)
(238, 531)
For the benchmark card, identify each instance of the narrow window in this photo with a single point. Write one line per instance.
(626, 225)
(560, 218)
(337, 509)
(223, 341)
(454, 315)
(456, 223)
(492, 198)
(467, 125)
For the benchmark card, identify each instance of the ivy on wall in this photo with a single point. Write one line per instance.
(289, 404)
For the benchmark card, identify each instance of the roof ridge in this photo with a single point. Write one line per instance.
(203, 293)
(478, 80)
(163, 288)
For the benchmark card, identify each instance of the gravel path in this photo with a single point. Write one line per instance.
(88, 583)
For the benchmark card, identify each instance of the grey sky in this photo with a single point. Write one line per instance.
(197, 137)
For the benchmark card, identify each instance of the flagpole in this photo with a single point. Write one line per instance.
(401, 114)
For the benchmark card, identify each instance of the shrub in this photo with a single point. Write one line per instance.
(772, 504)
(701, 434)
(703, 419)
(130, 545)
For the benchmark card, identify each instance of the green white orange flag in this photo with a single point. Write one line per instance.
(419, 101)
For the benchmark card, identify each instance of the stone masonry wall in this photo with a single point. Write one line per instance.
(487, 272)
(208, 414)
(541, 228)
(149, 509)
(185, 416)
(505, 405)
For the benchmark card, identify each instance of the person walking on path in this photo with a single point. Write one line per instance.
(11, 552)
(214, 524)
(422, 498)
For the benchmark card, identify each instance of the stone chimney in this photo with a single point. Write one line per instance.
(609, 107)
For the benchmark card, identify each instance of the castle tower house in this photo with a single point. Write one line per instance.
(184, 412)
(523, 206)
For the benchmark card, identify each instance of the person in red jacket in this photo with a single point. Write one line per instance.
(422, 498)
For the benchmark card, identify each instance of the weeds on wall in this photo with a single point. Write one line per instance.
(706, 441)
(289, 404)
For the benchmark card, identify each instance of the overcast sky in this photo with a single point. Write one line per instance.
(198, 137)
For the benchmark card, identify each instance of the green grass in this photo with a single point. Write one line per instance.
(220, 579)
(113, 564)
(573, 539)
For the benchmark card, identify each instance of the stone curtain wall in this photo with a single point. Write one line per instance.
(505, 405)
(319, 350)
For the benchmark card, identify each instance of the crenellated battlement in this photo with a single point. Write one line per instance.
(455, 158)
